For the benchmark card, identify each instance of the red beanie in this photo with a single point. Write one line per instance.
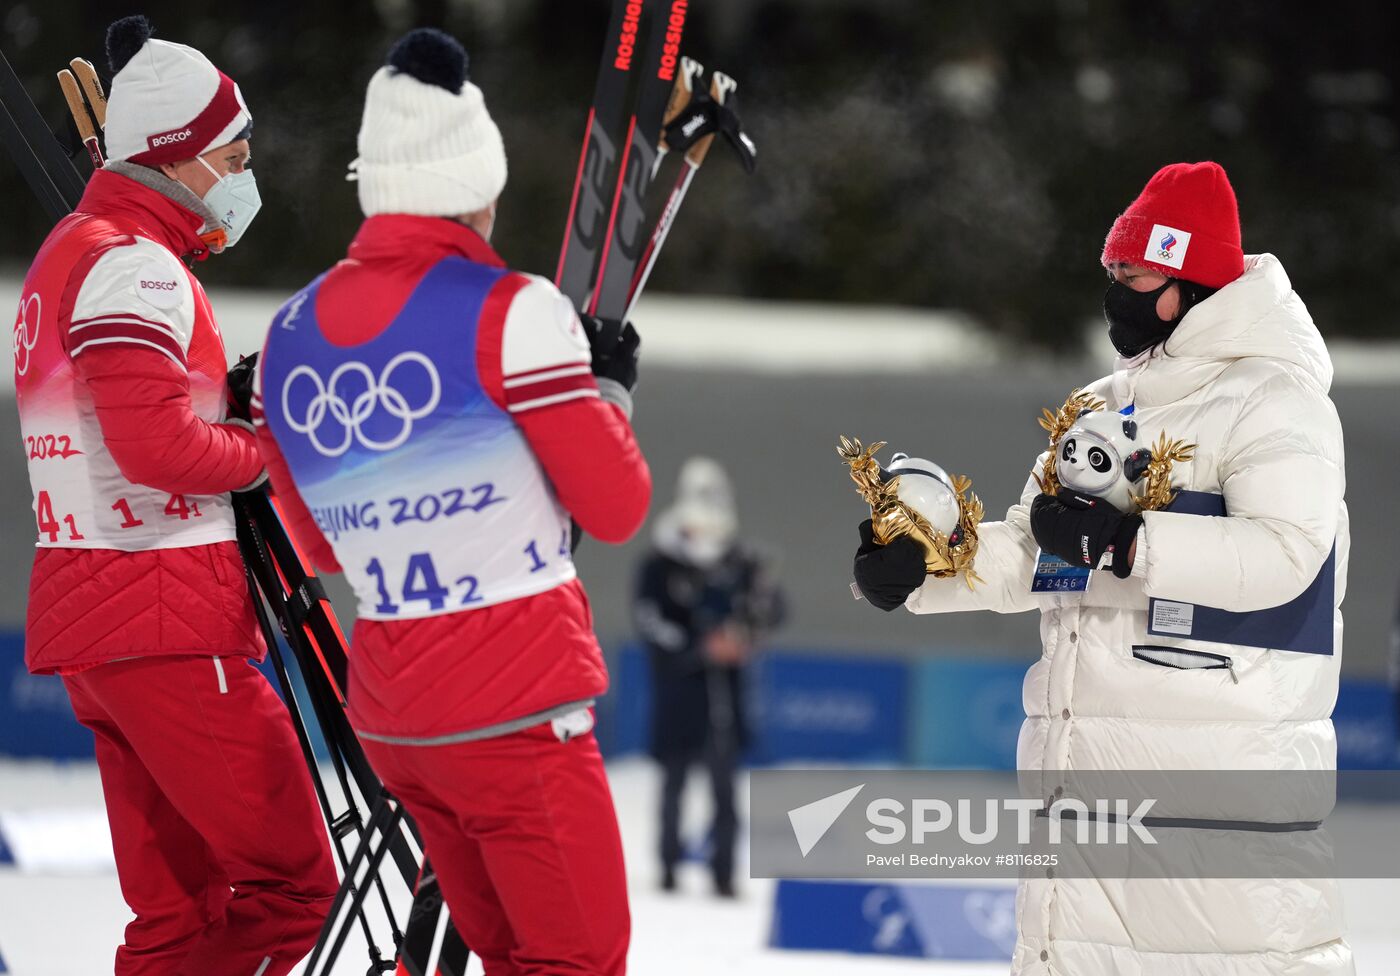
(1185, 224)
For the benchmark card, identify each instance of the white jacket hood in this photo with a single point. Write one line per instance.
(1256, 316)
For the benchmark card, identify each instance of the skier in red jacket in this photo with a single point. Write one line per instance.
(138, 595)
(431, 422)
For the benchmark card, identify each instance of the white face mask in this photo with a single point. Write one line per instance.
(234, 200)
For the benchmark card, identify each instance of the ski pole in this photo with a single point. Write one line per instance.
(721, 87)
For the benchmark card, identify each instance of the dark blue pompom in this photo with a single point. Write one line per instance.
(124, 39)
(431, 56)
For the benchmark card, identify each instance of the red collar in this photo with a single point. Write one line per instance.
(159, 217)
(400, 235)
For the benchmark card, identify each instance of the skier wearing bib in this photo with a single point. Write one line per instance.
(432, 421)
(138, 596)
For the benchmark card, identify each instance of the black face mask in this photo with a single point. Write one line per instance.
(1133, 324)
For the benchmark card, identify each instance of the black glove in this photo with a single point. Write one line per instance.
(887, 575)
(240, 387)
(1081, 528)
(615, 346)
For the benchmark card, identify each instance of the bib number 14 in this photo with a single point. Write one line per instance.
(421, 581)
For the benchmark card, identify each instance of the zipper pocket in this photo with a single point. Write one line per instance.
(1184, 659)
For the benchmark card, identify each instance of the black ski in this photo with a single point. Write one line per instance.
(626, 234)
(603, 139)
(35, 149)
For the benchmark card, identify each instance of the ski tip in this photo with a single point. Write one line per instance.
(125, 37)
(431, 56)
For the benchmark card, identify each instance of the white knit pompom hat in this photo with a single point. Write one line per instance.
(427, 144)
(168, 102)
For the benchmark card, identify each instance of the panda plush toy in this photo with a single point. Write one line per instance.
(927, 489)
(1099, 455)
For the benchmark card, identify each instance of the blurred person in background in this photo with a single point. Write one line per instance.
(493, 416)
(1217, 349)
(704, 603)
(138, 595)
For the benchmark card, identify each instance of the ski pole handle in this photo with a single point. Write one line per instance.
(74, 97)
(684, 90)
(721, 87)
(92, 88)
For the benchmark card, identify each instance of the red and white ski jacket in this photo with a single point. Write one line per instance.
(120, 381)
(430, 424)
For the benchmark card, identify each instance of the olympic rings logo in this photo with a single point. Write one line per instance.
(26, 335)
(328, 405)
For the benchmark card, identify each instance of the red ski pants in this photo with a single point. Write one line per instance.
(220, 847)
(523, 836)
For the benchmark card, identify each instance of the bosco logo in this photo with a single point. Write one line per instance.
(166, 138)
(348, 418)
(159, 285)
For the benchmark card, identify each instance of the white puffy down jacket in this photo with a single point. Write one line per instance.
(1244, 377)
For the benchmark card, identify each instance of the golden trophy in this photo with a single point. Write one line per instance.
(1095, 451)
(921, 501)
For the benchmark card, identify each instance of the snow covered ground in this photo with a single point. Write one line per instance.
(64, 914)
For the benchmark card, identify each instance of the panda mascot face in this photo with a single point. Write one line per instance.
(927, 489)
(1100, 456)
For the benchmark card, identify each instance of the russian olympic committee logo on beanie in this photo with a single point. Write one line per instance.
(1168, 246)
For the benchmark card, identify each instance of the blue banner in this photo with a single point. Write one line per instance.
(624, 713)
(937, 713)
(968, 713)
(1365, 720)
(36, 719)
(958, 922)
(842, 709)
(804, 707)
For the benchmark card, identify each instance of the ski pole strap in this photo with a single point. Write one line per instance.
(704, 116)
(304, 596)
